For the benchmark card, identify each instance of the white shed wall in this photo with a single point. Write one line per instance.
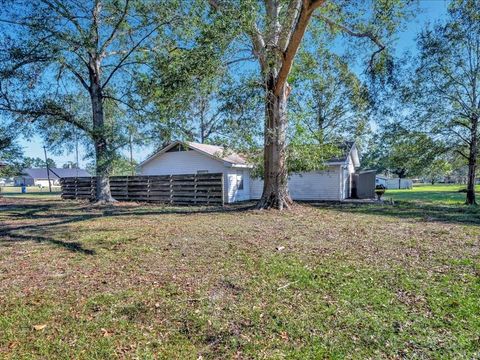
(189, 162)
(317, 185)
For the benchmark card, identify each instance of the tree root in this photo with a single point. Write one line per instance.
(273, 200)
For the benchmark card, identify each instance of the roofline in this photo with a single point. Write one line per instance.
(178, 142)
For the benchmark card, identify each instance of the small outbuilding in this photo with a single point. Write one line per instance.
(332, 183)
(39, 177)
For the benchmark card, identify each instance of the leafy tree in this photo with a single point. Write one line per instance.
(122, 166)
(276, 30)
(402, 152)
(328, 99)
(61, 56)
(37, 162)
(446, 84)
(10, 151)
(70, 165)
(437, 169)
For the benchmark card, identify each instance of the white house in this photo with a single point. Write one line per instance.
(39, 177)
(333, 183)
(393, 183)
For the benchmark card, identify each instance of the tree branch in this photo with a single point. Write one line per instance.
(376, 40)
(300, 26)
(127, 55)
(114, 32)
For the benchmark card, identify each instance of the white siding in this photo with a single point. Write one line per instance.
(189, 162)
(317, 185)
(396, 183)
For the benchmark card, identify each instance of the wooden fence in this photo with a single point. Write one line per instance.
(174, 189)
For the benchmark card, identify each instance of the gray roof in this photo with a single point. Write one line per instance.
(55, 173)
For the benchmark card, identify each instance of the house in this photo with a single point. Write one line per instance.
(333, 183)
(381, 180)
(393, 183)
(38, 176)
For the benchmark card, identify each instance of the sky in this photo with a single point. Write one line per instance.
(429, 12)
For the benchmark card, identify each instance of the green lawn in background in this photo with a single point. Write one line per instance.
(33, 192)
(447, 194)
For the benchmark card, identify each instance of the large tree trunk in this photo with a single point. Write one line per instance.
(275, 188)
(472, 164)
(102, 158)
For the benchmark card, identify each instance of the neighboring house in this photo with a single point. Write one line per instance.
(381, 180)
(393, 183)
(38, 177)
(333, 183)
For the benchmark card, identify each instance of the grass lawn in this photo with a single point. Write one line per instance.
(440, 193)
(138, 281)
(33, 192)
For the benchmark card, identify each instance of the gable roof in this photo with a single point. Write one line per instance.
(55, 173)
(346, 149)
(236, 160)
(213, 151)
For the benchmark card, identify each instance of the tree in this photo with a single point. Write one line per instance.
(70, 165)
(437, 169)
(328, 99)
(10, 151)
(276, 30)
(446, 84)
(37, 162)
(53, 51)
(122, 166)
(402, 152)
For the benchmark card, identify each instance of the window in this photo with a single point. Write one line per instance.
(202, 171)
(239, 182)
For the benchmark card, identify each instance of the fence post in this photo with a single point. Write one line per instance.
(171, 189)
(93, 185)
(195, 177)
(148, 187)
(223, 191)
(126, 187)
(76, 188)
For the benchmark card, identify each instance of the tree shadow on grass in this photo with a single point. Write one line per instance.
(57, 214)
(453, 214)
(11, 237)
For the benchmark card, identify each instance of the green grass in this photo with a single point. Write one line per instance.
(33, 192)
(447, 194)
(137, 281)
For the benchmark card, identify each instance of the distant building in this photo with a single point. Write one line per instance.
(38, 177)
(393, 183)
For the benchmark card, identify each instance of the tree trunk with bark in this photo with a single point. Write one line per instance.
(275, 186)
(472, 163)
(102, 158)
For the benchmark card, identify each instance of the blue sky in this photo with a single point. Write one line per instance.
(430, 11)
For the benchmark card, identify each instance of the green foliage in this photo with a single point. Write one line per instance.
(37, 162)
(443, 91)
(122, 166)
(437, 170)
(10, 151)
(402, 152)
(328, 98)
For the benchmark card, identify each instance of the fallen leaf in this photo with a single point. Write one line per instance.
(39, 327)
(106, 333)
